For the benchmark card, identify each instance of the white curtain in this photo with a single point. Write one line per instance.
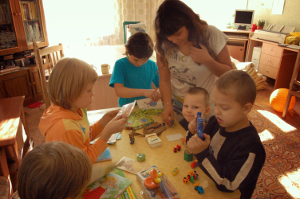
(95, 22)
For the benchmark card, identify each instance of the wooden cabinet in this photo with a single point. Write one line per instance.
(24, 82)
(269, 62)
(21, 22)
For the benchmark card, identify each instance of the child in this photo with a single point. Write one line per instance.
(70, 88)
(196, 100)
(53, 170)
(232, 154)
(133, 75)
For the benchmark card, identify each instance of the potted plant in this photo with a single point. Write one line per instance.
(260, 24)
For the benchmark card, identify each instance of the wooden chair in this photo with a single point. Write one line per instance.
(46, 58)
(294, 89)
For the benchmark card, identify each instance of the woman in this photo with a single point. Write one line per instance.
(189, 53)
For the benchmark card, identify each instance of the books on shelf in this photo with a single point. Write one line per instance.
(108, 187)
(29, 10)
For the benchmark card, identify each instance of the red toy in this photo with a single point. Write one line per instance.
(194, 164)
(177, 148)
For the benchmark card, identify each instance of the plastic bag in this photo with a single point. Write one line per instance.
(293, 38)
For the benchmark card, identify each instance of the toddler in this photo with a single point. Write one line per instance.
(231, 154)
(195, 100)
(70, 88)
(134, 75)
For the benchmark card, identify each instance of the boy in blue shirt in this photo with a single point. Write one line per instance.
(135, 76)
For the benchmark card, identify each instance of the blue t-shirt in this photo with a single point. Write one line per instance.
(134, 77)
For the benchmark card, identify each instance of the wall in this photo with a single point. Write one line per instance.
(289, 17)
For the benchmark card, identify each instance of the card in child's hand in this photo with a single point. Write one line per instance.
(127, 109)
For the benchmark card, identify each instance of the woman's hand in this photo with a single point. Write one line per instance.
(168, 114)
(114, 126)
(154, 94)
(196, 145)
(107, 117)
(200, 56)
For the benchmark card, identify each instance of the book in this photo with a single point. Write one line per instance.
(138, 120)
(128, 193)
(164, 189)
(109, 186)
(153, 140)
(104, 156)
(131, 165)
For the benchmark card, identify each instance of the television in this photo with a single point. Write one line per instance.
(243, 18)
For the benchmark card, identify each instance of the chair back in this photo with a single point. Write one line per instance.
(46, 58)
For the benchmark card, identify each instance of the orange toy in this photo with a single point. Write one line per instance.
(153, 180)
(278, 99)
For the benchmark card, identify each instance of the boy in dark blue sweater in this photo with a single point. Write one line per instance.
(231, 154)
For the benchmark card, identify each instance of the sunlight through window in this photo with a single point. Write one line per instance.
(290, 187)
(266, 135)
(285, 127)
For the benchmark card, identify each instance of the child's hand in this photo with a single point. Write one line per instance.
(196, 145)
(114, 126)
(154, 94)
(107, 117)
(193, 126)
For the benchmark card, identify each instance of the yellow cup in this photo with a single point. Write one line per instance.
(105, 68)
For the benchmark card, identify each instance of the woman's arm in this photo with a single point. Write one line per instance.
(217, 66)
(125, 92)
(165, 89)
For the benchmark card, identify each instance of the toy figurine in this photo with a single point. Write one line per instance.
(131, 137)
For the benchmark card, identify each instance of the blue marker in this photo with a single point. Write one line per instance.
(200, 125)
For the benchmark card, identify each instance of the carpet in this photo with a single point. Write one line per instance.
(280, 175)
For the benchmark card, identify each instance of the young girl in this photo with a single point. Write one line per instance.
(134, 75)
(190, 53)
(53, 170)
(70, 89)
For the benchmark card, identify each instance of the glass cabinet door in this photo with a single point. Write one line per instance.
(32, 21)
(7, 31)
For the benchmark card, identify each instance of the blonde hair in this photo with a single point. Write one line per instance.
(200, 91)
(54, 170)
(68, 79)
(110, 178)
(239, 84)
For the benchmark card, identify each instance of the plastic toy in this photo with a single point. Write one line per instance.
(194, 164)
(153, 180)
(185, 180)
(177, 148)
(199, 189)
(141, 157)
(200, 122)
(188, 156)
(278, 99)
(131, 137)
(174, 171)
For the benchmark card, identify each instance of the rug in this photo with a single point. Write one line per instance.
(280, 175)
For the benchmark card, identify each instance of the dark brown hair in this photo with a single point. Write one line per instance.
(239, 84)
(54, 170)
(170, 17)
(201, 91)
(139, 45)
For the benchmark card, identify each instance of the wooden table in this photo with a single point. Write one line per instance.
(13, 137)
(163, 157)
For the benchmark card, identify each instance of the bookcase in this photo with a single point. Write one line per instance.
(21, 22)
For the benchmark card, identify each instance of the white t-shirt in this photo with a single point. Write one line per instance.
(185, 73)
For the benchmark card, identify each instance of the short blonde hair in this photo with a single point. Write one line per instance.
(54, 170)
(68, 79)
(200, 91)
(239, 84)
